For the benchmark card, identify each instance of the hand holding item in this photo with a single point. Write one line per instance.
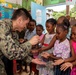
(34, 40)
(58, 62)
(38, 61)
(66, 66)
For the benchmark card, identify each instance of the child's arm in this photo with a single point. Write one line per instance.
(50, 56)
(51, 44)
(74, 63)
(67, 65)
(54, 57)
(42, 41)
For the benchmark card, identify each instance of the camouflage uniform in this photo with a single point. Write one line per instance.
(9, 45)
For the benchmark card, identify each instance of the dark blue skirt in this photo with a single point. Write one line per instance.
(59, 72)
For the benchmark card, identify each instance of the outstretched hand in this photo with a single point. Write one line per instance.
(58, 62)
(66, 66)
(38, 61)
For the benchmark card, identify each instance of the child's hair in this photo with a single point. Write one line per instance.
(32, 20)
(60, 19)
(52, 21)
(39, 25)
(65, 24)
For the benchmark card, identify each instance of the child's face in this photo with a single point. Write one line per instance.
(32, 26)
(28, 26)
(39, 30)
(60, 33)
(49, 28)
(74, 33)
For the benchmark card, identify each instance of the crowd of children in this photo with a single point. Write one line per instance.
(56, 48)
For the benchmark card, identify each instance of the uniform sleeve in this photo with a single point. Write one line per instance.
(27, 59)
(10, 49)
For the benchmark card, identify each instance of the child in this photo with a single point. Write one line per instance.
(73, 72)
(50, 26)
(72, 59)
(30, 32)
(62, 19)
(61, 47)
(39, 31)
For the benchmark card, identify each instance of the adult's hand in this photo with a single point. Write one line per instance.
(34, 40)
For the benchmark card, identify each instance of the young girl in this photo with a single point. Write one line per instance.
(39, 31)
(61, 20)
(61, 47)
(50, 26)
(73, 72)
(70, 62)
